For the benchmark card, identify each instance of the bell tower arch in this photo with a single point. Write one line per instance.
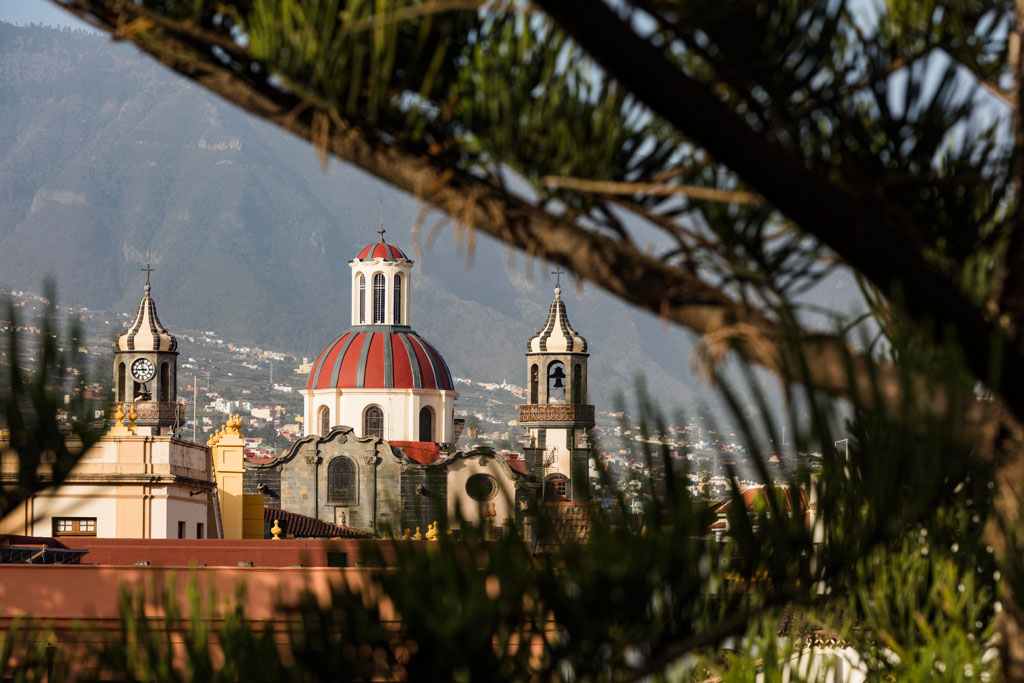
(558, 415)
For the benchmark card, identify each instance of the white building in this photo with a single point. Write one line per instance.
(141, 480)
(379, 376)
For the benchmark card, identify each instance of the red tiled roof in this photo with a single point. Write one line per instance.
(517, 464)
(384, 250)
(423, 452)
(754, 495)
(393, 358)
(301, 526)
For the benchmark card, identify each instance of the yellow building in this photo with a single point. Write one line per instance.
(141, 480)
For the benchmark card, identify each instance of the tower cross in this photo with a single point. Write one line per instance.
(557, 272)
(149, 268)
(381, 231)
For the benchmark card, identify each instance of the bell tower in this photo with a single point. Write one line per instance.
(558, 416)
(146, 369)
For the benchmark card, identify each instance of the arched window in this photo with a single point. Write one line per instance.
(165, 380)
(398, 298)
(426, 424)
(577, 384)
(534, 371)
(373, 422)
(362, 299)
(556, 382)
(324, 419)
(341, 481)
(120, 382)
(378, 298)
(556, 488)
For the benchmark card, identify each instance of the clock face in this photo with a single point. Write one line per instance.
(143, 369)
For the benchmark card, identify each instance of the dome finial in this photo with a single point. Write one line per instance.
(148, 269)
(557, 272)
(381, 231)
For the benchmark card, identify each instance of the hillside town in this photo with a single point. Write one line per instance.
(224, 377)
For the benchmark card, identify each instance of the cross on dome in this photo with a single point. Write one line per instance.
(382, 230)
(557, 272)
(148, 269)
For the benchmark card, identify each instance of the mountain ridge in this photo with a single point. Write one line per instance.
(108, 156)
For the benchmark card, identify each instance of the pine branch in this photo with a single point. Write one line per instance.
(855, 226)
(608, 187)
(616, 266)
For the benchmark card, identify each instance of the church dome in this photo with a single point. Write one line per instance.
(146, 333)
(389, 358)
(557, 335)
(382, 250)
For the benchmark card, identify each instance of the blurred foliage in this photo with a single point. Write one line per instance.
(45, 416)
(888, 564)
(885, 104)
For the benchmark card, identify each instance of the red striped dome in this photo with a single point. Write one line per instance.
(384, 250)
(391, 358)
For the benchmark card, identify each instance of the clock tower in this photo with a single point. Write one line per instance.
(146, 369)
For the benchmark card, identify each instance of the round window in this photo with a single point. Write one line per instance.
(481, 487)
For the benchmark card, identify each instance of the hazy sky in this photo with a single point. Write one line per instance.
(37, 12)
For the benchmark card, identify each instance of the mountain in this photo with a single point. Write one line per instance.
(105, 155)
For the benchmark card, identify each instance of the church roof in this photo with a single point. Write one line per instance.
(383, 250)
(146, 333)
(380, 357)
(301, 526)
(557, 335)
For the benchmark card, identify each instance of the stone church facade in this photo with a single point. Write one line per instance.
(394, 469)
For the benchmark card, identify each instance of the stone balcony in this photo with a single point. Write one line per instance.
(539, 414)
(150, 412)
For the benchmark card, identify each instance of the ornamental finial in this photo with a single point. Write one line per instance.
(381, 231)
(148, 269)
(557, 272)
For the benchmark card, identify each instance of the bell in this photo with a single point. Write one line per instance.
(558, 383)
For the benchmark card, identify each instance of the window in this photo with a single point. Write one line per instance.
(165, 380)
(341, 481)
(120, 382)
(556, 488)
(556, 382)
(362, 299)
(398, 299)
(481, 487)
(534, 371)
(324, 419)
(200, 532)
(378, 298)
(181, 529)
(74, 526)
(577, 385)
(373, 422)
(426, 424)
(542, 438)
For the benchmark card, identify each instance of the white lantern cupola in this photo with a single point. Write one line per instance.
(381, 285)
(379, 376)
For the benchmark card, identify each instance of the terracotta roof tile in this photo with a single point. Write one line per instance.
(301, 526)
